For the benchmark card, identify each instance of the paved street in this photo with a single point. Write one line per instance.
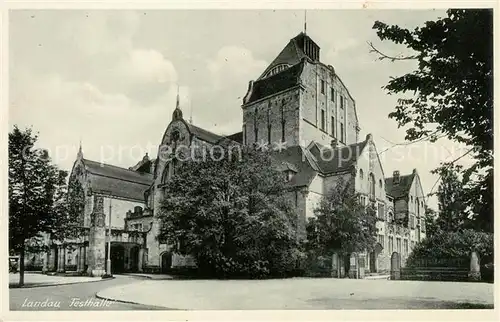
(303, 294)
(72, 297)
(38, 279)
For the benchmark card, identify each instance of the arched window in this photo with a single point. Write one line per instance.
(390, 217)
(277, 69)
(380, 184)
(361, 174)
(167, 172)
(371, 184)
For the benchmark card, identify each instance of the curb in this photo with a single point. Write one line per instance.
(135, 303)
(72, 283)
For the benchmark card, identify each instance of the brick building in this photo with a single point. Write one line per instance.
(298, 102)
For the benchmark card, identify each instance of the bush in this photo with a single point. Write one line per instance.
(317, 265)
(451, 245)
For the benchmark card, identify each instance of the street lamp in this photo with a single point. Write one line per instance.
(108, 257)
(108, 260)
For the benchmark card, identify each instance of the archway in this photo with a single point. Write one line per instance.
(117, 258)
(166, 262)
(395, 266)
(374, 257)
(134, 259)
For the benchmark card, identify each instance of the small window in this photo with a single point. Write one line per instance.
(361, 174)
(412, 222)
(342, 102)
(333, 127)
(322, 87)
(332, 94)
(323, 120)
(381, 211)
(381, 240)
(380, 183)
(371, 184)
(411, 198)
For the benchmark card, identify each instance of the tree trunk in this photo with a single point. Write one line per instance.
(21, 265)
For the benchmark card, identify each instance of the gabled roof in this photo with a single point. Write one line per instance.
(119, 182)
(343, 159)
(295, 158)
(203, 134)
(143, 166)
(237, 137)
(401, 189)
(276, 83)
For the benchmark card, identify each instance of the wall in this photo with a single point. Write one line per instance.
(119, 210)
(416, 207)
(268, 112)
(313, 101)
(314, 195)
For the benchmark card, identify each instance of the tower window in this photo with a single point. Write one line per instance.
(323, 120)
(255, 127)
(333, 127)
(322, 87)
(342, 138)
(332, 94)
(371, 183)
(282, 121)
(269, 126)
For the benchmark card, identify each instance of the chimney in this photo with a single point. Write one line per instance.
(395, 177)
(333, 143)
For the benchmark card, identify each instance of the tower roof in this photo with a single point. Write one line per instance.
(281, 81)
(299, 47)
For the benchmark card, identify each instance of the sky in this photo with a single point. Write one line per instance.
(108, 78)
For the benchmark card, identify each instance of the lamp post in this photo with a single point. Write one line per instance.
(108, 260)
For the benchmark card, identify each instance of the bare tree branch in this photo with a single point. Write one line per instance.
(383, 56)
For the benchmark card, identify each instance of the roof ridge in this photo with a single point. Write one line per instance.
(114, 166)
(118, 178)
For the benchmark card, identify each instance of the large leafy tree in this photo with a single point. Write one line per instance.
(341, 223)
(37, 195)
(453, 210)
(450, 94)
(233, 215)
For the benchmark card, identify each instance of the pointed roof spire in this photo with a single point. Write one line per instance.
(305, 21)
(177, 105)
(191, 112)
(177, 115)
(80, 153)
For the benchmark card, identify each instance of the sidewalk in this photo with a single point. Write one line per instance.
(38, 280)
(151, 276)
(302, 294)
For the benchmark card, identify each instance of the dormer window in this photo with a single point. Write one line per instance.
(276, 69)
(289, 174)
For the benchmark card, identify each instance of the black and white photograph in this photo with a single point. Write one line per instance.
(174, 159)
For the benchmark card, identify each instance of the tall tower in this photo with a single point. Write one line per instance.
(298, 99)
